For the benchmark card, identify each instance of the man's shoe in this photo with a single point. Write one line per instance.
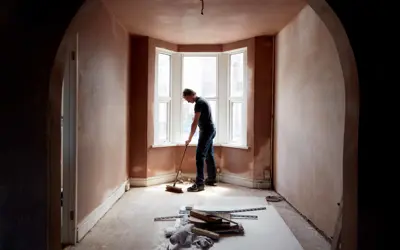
(210, 182)
(195, 188)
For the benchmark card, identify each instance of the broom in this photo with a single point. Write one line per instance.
(172, 188)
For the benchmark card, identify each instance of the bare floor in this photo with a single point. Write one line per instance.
(129, 224)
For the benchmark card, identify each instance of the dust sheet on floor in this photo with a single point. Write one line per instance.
(227, 223)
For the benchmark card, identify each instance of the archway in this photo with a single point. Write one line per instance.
(348, 65)
(59, 18)
(351, 113)
(350, 144)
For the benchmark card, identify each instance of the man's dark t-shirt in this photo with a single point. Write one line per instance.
(205, 120)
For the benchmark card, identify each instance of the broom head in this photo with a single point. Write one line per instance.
(173, 189)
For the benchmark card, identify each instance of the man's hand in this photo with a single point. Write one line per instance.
(187, 142)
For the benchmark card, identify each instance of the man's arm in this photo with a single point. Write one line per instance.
(194, 125)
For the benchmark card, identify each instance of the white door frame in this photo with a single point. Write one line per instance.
(69, 147)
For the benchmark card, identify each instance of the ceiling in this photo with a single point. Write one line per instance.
(224, 21)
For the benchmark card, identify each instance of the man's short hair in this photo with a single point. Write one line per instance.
(188, 92)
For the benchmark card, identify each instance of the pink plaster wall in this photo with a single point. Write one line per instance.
(102, 104)
(309, 126)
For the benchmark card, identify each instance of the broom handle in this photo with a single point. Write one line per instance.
(180, 166)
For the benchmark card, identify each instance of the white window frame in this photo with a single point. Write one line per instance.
(162, 99)
(223, 101)
(243, 99)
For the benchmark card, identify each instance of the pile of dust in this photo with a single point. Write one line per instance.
(185, 180)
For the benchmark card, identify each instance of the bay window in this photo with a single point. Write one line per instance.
(220, 78)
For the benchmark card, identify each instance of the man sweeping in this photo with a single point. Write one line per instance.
(205, 151)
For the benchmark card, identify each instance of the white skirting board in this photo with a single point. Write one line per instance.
(238, 180)
(226, 178)
(151, 181)
(245, 182)
(90, 221)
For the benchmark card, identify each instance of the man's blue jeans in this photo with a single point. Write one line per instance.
(205, 152)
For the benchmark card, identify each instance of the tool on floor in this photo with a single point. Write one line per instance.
(233, 216)
(241, 216)
(186, 210)
(172, 188)
(236, 210)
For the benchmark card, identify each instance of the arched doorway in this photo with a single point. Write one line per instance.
(64, 14)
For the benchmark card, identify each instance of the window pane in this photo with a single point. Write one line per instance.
(200, 74)
(187, 119)
(237, 124)
(236, 75)
(213, 105)
(162, 122)
(164, 74)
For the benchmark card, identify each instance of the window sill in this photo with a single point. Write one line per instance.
(180, 144)
(194, 145)
(233, 146)
(166, 145)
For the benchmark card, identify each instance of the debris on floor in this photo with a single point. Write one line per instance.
(203, 242)
(274, 198)
(169, 231)
(183, 236)
(185, 180)
(200, 229)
